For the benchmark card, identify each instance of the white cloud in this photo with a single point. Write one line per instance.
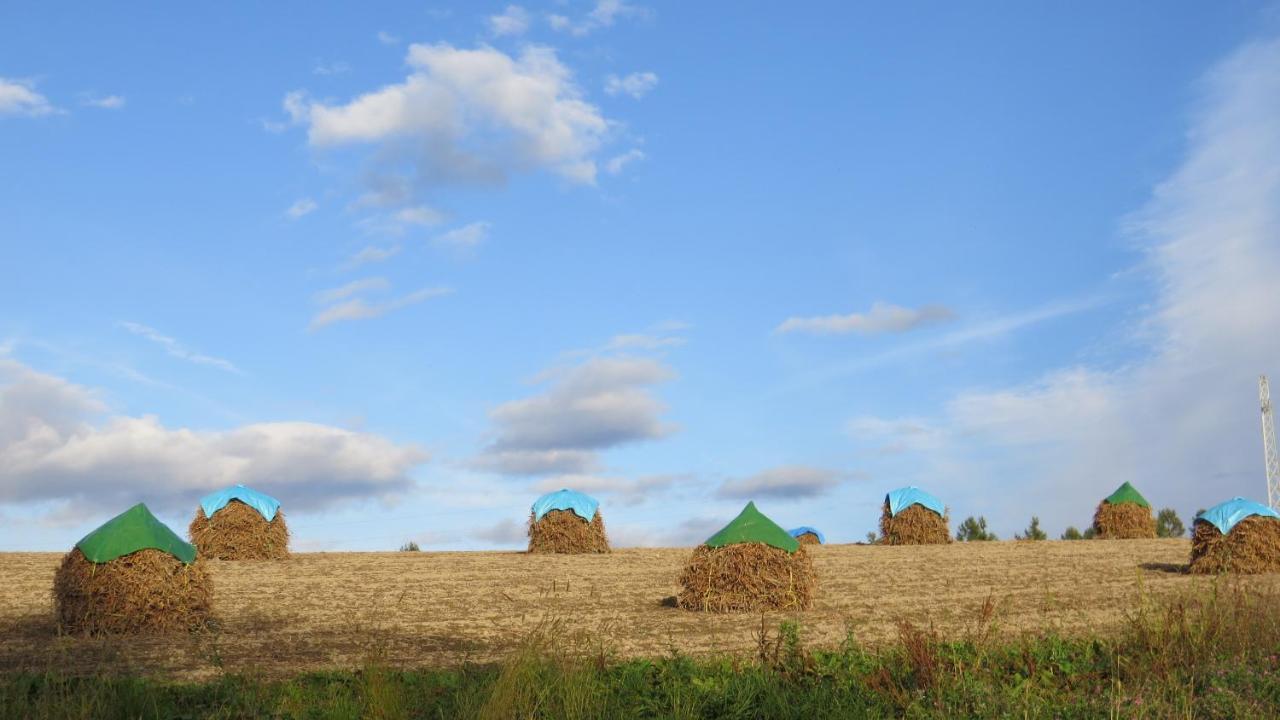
(400, 221)
(360, 309)
(371, 254)
(604, 14)
(786, 481)
(636, 84)
(467, 236)
(537, 462)
(18, 97)
(465, 116)
(618, 162)
(599, 404)
(53, 447)
(387, 38)
(177, 349)
(882, 318)
(352, 288)
(106, 102)
(1181, 422)
(514, 20)
(305, 206)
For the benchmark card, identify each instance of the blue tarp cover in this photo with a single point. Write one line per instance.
(261, 502)
(584, 506)
(797, 532)
(1224, 516)
(903, 498)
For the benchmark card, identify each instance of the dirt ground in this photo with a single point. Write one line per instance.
(339, 610)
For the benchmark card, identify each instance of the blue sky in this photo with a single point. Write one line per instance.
(408, 266)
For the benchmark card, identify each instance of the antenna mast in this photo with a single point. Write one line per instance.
(1269, 444)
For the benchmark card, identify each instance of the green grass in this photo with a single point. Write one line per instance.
(1212, 656)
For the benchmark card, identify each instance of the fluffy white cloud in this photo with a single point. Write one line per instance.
(305, 206)
(361, 309)
(514, 20)
(882, 318)
(465, 116)
(636, 84)
(55, 445)
(601, 403)
(1181, 422)
(18, 97)
(786, 481)
(177, 349)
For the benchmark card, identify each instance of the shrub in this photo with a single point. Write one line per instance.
(974, 529)
(1169, 525)
(1033, 531)
(410, 546)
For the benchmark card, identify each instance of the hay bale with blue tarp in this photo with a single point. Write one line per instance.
(911, 516)
(750, 565)
(1237, 536)
(567, 521)
(808, 535)
(131, 575)
(1124, 515)
(240, 523)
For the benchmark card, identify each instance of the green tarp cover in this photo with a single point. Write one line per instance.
(1126, 493)
(752, 526)
(133, 530)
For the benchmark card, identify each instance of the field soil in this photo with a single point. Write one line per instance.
(338, 610)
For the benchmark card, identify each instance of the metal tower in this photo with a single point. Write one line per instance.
(1269, 444)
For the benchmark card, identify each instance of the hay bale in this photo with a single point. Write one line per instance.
(563, 531)
(1252, 546)
(915, 525)
(808, 539)
(1123, 521)
(239, 532)
(747, 577)
(147, 591)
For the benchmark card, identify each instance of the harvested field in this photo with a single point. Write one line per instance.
(335, 610)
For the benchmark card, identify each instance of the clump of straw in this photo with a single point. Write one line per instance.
(1252, 546)
(146, 591)
(239, 532)
(916, 525)
(562, 531)
(1123, 521)
(747, 577)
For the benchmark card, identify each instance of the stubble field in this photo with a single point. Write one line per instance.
(336, 610)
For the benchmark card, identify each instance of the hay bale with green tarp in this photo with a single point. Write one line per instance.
(240, 523)
(750, 565)
(911, 516)
(1124, 515)
(568, 522)
(131, 575)
(1237, 536)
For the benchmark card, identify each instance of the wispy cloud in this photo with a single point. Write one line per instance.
(465, 237)
(787, 481)
(352, 288)
(360, 309)
(514, 20)
(106, 102)
(618, 162)
(177, 349)
(305, 206)
(387, 38)
(636, 84)
(330, 68)
(882, 318)
(371, 254)
(604, 14)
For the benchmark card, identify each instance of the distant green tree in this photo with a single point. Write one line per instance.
(1033, 531)
(1090, 532)
(871, 538)
(974, 530)
(1071, 533)
(410, 546)
(1169, 525)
